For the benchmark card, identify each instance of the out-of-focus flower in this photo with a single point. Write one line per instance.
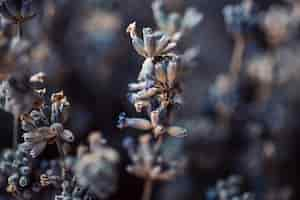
(173, 24)
(96, 169)
(240, 19)
(148, 164)
(279, 25)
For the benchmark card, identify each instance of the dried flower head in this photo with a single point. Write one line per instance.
(36, 140)
(153, 43)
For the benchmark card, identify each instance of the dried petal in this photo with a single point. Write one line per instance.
(171, 46)
(149, 41)
(139, 123)
(172, 73)
(162, 43)
(67, 136)
(140, 105)
(37, 149)
(154, 118)
(38, 78)
(160, 73)
(137, 43)
(147, 70)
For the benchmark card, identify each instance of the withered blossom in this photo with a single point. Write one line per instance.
(152, 44)
(36, 140)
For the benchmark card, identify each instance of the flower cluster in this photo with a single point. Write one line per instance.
(158, 89)
(157, 92)
(18, 168)
(148, 161)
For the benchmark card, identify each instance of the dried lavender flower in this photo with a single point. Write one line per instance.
(153, 44)
(36, 140)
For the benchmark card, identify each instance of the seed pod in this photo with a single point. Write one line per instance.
(170, 47)
(149, 41)
(154, 115)
(138, 123)
(162, 43)
(24, 181)
(140, 105)
(160, 73)
(145, 94)
(67, 136)
(138, 46)
(137, 43)
(147, 70)
(13, 179)
(172, 73)
(176, 131)
(137, 86)
(25, 170)
(38, 78)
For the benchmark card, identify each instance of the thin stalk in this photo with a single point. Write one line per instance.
(19, 30)
(237, 56)
(15, 132)
(147, 189)
(62, 156)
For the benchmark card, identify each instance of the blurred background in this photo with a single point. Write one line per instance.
(83, 48)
